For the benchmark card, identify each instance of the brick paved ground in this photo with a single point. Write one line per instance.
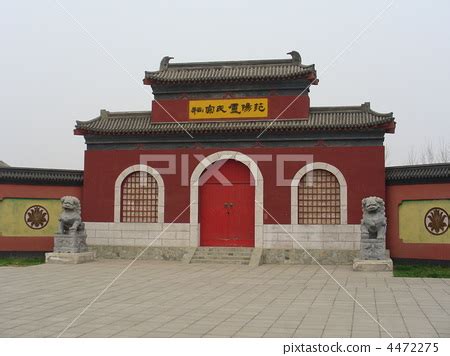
(165, 299)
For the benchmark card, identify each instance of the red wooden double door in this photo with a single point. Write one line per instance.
(227, 205)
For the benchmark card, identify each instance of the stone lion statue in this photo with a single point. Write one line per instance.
(373, 223)
(70, 218)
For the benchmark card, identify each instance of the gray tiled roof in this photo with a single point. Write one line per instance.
(320, 119)
(252, 70)
(437, 172)
(3, 164)
(45, 176)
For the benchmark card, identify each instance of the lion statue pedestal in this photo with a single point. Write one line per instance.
(373, 253)
(70, 241)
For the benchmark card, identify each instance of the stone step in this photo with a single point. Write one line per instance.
(222, 257)
(233, 255)
(220, 261)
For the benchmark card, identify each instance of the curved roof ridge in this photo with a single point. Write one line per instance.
(214, 64)
(440, 164)
(39, 169)
(313, 109)
(107, 115)
(418, 173)
(142, 112)
(322, 118)
(27, 175)
(365, 107)
(231, 71)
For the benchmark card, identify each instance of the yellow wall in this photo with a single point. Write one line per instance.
(12, 221)
(411, 220)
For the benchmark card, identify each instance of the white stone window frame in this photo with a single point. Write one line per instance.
(259, 192)
(308, 169)
(118, 190)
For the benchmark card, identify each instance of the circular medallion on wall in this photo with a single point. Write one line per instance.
(36, 217)
(436, 221)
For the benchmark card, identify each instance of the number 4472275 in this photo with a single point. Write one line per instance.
(413, 347)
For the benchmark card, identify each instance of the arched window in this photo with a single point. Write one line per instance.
(319, 198)
(139, 198)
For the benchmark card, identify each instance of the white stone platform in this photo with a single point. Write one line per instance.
(372, 265)
(69, 258)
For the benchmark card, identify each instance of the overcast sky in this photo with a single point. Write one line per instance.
(56, 68)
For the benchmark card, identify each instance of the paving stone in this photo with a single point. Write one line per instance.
(184, 335)
(249, 334)
(364, 334)
(286, 332)
(336, 333)
(314, 333)
(130, 333)
(167, 299)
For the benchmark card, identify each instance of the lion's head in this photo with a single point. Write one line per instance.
(71, 204)
(373, 205)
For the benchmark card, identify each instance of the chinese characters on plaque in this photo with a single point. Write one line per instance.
(228, 108)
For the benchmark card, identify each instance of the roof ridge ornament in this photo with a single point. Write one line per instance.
(366, 106)
(165, 62)
(104, 113)
(296, 58)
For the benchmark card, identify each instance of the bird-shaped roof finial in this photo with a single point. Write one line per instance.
(164, 63)
(296, 58)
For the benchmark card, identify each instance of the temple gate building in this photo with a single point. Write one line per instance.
(233, 155)
(145, 171)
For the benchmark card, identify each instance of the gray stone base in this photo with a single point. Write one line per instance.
(69, 258)
(261, 256)
(372, 265)
(256, 258)
(299, 256)
(373, 249)
(188, 255)
(152, 253)
(72, 243)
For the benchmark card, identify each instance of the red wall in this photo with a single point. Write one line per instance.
(38, 191)
(362, 167)
(280, 106)
(33, 243)
(395, 194)
(26, 243)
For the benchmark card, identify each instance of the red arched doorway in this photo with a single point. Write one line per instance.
(227, 207)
